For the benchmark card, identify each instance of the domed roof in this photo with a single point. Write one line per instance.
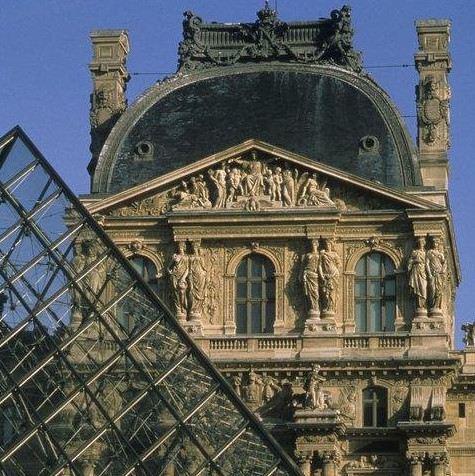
(298, 86)
(324, 113)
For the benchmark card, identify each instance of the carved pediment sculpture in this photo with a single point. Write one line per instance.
(254, 176)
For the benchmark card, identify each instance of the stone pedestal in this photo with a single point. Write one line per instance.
(193, 327)
(317, 325)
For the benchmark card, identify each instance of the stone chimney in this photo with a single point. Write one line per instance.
(433, 62)
(110, 77)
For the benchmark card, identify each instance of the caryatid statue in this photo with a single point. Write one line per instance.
(310, 280)
(416, 268)
(197, 282)
(329, 272)
(178, 271)
(436, 266)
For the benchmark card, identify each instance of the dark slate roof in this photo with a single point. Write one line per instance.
(325, 113)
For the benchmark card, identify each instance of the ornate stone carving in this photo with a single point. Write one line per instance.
(178, 271)
(325, 41)
(418, 275)
(469, 333)
(310, 281)
(329, 273)
(431, 109)
(188, 278)
(436, 271)
(347, 404)
(314, 395)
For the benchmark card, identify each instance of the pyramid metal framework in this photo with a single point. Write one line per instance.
(84, 391)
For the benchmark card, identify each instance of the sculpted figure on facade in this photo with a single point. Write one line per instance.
(418, 274)
(469, 333)
(197, 282)
(218, 177)
(436, 270)
(314, 194)
(178, 271)
(314, 396)
(95, 278)
(288, 187)
(310, 280)
(329, 271)
(252, 392)
(253, 181)
(234, 184)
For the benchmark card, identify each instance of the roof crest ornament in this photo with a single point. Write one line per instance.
(268, 39)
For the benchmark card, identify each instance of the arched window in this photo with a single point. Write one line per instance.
(255, 295)
(148, 271)
(375, 293)
(375, 407)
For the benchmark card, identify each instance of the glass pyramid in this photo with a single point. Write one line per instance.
(80, 393)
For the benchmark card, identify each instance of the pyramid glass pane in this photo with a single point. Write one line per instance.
(96, 376)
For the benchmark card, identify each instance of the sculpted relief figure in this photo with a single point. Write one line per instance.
(218, 177)
(418, 274)
(310, 280)
(436, 269)
(314, 194)
(253, 181)
(314, 396)
(197, 282)
(329, 272)
(178, 271)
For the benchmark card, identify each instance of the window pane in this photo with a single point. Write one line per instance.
(256, 318)
(256, 267)
(360, 312)
(388, 267)
(374, 288)
(375, 316)
(241, 271)
(361, 267)
(374, 262)
(360, 288)
(389, 287)
(390, 315)
(241, 319)
(241, 290)
(367, 414)
(256, 290)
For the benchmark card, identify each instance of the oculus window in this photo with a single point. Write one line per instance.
(255, 295)
(375, 293)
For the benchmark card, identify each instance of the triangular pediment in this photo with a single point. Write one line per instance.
(255, 176)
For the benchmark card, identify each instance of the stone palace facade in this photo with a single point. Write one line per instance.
(270, 194)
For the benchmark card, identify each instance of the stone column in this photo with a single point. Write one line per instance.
(433, 63)
(304, 459)
(415, 464)
(438, 464)
(329, 462)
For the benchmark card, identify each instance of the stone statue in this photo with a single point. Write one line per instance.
(436, 269)
(178, 271)
(418, 274)
(314, 396)
(329, 272)
(234, 184)
(253, 181)
(199, 189)
(310, 281)
(469, 330)
(196, 281)
(96, 276)
(219, 178)
(313, 194)
(253, 390)
(288, 187)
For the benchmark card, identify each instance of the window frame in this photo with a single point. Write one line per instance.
(377, 404)
(377, 307)
(249, 301)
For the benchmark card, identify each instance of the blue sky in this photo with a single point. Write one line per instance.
(45, 82)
